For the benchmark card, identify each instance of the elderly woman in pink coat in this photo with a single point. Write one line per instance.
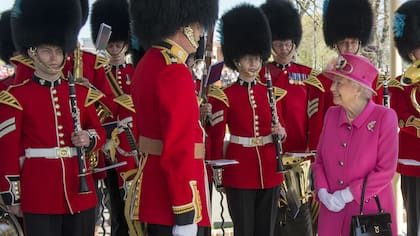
(359, 139)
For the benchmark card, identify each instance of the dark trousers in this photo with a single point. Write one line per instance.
(80, 224)
(300, 226)
(118, 223)
(253, 211)
(410, 188)
(165, 230)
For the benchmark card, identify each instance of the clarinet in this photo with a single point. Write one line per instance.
(83, 188)
(274, 121)
(386, 98)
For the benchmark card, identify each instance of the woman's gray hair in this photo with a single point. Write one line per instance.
(365, 92)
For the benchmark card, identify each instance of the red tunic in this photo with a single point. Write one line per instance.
(320, 99)
(4, 83)
(120, 78)
(167, 112)
(405, 101)
(246, 112)
(294, 104)
(38, 116)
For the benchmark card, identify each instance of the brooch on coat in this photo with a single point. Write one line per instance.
(371, 125)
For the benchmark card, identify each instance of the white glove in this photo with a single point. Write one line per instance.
(344, 196)
(185, 230)
(330, 201)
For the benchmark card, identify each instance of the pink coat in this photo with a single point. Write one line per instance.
(349, 152)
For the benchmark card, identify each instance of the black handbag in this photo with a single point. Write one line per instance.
(373, 224)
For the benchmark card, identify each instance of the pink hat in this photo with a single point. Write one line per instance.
(353, 67)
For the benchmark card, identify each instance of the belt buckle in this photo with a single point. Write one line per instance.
(64, 152)
(257, 141)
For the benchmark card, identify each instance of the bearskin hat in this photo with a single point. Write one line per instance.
(155, 20)
(244, 30)
(6, 43)
(347, 19)
(113, 13)
(406, 27)
(36, 22)
(284, 20)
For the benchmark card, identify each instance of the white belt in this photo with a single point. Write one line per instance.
(251, 142)
(51, 153)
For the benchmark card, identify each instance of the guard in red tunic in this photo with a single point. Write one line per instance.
(170, 189)
(7, 49)
(292, 77)
(40, 142)
(405, 99)
(347, 27)
(90, 72)
(252, 186)
(121, 146)
(287, 74)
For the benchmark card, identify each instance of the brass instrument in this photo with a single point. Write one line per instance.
(411, 75)
(9, 225)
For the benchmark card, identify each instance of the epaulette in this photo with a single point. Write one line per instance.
(27, 61)
(314, 81)
(279, 93)
(93, 96)
(219, 94)
(395, 84)
(380, 81)
(10, 100)
(101, 61)
(125, 101)
(169, 58)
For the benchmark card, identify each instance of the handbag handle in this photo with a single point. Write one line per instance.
(362, 198)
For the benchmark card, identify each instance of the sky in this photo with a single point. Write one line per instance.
(224, 5)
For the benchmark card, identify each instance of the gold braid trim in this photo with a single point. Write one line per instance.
(93, 96)
(8, 99)
(380, 81)
(395, 84)
(101, 61)
(125, 101)
(132, 203)
(414, 122)
(27, 61)
(314, 81)
(279, 93)
(218, 93)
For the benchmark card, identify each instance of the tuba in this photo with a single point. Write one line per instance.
(411, 75)
(9, 225)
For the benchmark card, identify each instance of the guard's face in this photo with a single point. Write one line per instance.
(115, 48)
(249, 66)
(51, 56)
(348, 45)
(283, 50)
